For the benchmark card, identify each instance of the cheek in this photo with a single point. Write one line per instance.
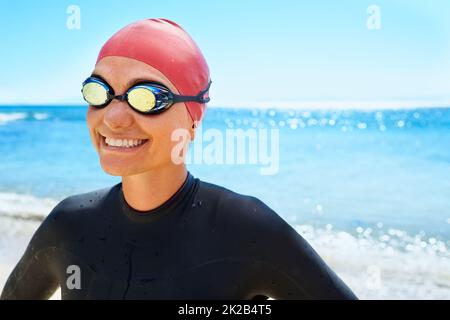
(164, 139)
(92, 117)
(162, 142)
(92, 120)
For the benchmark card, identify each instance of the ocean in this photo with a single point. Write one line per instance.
(369, 190)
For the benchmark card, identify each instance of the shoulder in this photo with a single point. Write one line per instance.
(248, 227)
(241, 210)
(87, 200)
(225, 198)
(79, 204)
(71, 214)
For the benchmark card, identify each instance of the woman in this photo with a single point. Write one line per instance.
(161, 233)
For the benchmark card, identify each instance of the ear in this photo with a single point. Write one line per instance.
(192, 130)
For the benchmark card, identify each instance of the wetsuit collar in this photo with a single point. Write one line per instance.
(157, 213)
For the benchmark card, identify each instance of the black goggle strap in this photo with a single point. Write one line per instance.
(200, 97)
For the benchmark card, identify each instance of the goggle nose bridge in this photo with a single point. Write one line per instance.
(120, 97)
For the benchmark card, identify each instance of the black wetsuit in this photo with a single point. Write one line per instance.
(205, 242)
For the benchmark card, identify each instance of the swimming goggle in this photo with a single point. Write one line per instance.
(144, 97)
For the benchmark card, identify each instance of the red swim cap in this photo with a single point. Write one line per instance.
(164, 45)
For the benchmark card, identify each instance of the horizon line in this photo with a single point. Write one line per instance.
(307, 105)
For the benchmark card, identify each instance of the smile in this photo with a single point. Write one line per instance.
(128, 144)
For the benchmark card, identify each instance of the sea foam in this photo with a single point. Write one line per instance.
(13, 116)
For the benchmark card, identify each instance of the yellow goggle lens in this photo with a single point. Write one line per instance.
(95, 94)
(142, 99)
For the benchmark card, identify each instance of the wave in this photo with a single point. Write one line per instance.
(40, 115)
(22, 206)
(385, 264)
(13, 116)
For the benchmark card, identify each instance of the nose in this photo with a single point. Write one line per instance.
(117, 115)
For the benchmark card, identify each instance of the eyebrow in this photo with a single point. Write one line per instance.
(131, 82)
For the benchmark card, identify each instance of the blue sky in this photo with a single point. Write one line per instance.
(259, 52)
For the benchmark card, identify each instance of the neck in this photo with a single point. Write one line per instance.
(149, 190)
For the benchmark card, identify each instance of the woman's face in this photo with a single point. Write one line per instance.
(118, 120)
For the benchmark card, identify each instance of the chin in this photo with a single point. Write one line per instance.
(115, 170)
(122, 170)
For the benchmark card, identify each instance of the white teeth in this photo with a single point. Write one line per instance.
(123, 143)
